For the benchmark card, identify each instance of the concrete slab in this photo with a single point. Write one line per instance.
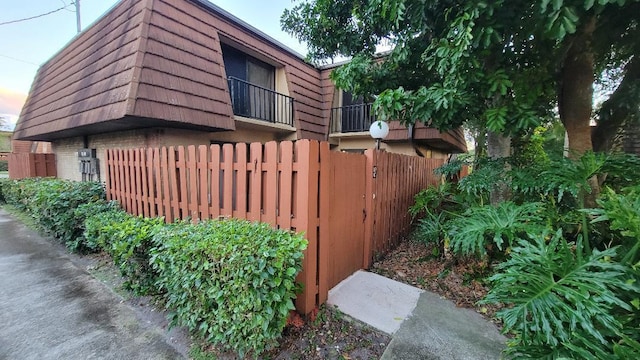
(375, 300)
(437, 329)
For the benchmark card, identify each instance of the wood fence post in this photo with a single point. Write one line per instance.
(307, 221)
(324, 241)
(370, 205)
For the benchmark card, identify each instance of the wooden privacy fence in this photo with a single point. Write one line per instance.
(349, 206)
(394, 182)
(26, 165)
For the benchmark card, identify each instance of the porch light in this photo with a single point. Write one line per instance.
(379, 130)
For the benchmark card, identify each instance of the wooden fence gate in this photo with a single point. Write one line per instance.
(346, 215)
(349, 206)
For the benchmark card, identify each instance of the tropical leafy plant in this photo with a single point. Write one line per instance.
(560, 301)
(431, 199)
(480, 227)
(622, 211)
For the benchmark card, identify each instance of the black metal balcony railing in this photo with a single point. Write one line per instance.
(352, 118)
(256, 102)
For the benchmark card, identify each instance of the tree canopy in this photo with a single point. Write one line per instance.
(502, 65)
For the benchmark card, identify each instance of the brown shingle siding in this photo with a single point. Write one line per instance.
(80, 54)
(158, 63)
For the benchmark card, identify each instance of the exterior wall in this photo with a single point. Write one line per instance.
(361, 142)
(205, 26)
(66, 149)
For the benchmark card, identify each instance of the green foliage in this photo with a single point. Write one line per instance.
(4, 186)
(530, 148)
(4, 165)
(622, 212)
(560, 300)
(100, 227)
(53, 203)
(132, 242)
(432, 229)
(431, 199)
(231, 281)
(486, 175)
(483, 226)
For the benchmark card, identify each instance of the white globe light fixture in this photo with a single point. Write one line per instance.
(379, 130)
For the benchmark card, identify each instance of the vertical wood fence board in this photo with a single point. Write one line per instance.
(138, 170)
(270, 191)
(183, 181)
(324, 239)
(240, 169)
(369, 232)
(214, 175)
(126, 180)
(119, 158)
(157, 182)
(203, 174)
(147, 181)
(144, 183)
(308, 155)
(131, 181)
(255, 200)
(192, 184)
(167, 184)
(109, 180)
(227, 180)
(286, 185)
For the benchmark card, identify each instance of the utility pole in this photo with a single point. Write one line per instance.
(77, 2)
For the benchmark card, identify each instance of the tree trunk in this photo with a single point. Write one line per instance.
(621, 106)
(498, 147)
(575, 92)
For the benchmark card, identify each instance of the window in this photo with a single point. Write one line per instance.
(251, 85)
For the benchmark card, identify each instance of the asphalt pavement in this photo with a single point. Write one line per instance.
(51, 309)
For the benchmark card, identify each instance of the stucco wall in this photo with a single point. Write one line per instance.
(366, 142)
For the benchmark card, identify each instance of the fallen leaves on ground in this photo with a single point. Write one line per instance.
(457, 279)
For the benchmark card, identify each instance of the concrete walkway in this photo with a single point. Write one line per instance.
(422, 325)
(50, 309)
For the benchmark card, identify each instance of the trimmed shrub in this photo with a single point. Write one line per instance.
(53, 202)
(128, 240)
(100, 227)
(4, 185)
(4, 165)
(91, 217)
(231, 281)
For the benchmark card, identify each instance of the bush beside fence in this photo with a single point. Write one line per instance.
(231, 282)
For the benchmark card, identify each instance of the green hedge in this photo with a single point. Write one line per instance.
(4, 165)
(53, 202)
(229, 281)
(129, 241)
(232, 281)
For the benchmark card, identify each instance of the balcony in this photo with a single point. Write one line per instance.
(256, 102)
(352, 118)
(353, 122)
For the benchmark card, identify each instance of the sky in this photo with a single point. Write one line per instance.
(25, 45)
